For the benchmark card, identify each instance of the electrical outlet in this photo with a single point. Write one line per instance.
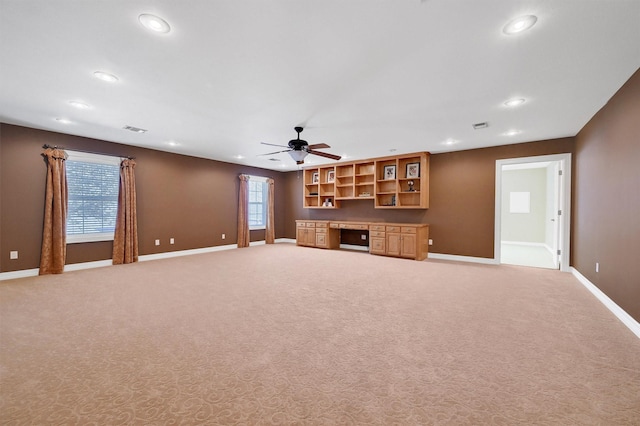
(157, 242)
(430, 242)
(172, 241)
(13, 255)
(224, 236)
(363, 237)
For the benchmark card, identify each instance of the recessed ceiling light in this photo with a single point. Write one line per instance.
(512, 132)
(519, 24)
(105, 76)
(172, 143)
(238, 157)
(79, 105)
(154, 23)
(514, 102)
(63, 120)
(450, 142)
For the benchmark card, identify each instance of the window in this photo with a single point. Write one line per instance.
(257, 202)
(93, 182)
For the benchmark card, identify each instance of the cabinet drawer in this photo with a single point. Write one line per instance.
(376, 234)
(376, 227)
(321, 230)
(409, 230)
(335, 225)
(353, 226)
(301, 225)
(311, 224)
(322, 225)
(393, 229)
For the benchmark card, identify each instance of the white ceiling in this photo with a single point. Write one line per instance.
(364, 76)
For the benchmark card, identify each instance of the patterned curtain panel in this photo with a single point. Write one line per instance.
(125, 238)
(243, 212)
(54, 233)
(270, 232)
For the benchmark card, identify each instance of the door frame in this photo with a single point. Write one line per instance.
(565, 204)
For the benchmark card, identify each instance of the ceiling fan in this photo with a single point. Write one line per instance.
(298, 149)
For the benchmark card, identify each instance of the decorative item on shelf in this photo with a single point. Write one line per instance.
(313, 193)
(315, 177)
(327, 203)
(410, 184)
(331, 176)
(389, 172)
(413, 170)
(393, 200)
(364, 194)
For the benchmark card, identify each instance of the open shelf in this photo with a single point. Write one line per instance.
(385, 180)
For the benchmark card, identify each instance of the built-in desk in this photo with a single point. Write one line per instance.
(408, 240)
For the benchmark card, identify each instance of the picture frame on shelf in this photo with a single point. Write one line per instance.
(389, 172)
(413, 170)
(315, 177)
(331, 176)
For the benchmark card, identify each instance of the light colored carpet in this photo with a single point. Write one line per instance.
(287, 335)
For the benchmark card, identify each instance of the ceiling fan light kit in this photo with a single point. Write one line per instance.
(299, 149)
(298, 156)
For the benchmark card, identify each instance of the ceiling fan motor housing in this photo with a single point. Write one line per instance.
(298, 144)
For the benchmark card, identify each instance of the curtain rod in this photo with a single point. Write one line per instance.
(46, 146)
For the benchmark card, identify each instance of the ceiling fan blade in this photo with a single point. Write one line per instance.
(324, 154)
(276, 152)
(318, 146)
(272, 144)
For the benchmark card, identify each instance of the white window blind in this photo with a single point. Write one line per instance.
(93, 184)
(257, 202)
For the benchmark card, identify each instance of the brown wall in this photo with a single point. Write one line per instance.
(193, 200)
(462, 198)
(606, 220)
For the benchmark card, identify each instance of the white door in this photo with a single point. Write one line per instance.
(556, 200)
(552, 250)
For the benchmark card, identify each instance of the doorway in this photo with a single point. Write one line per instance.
(532, 215)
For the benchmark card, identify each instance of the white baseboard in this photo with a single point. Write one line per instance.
(529, 244)
(523, 243)
(457, 258)
(286, 240)
(88, 265)
(169, 254)
(19, 274)
(108, 262)
(620, 313)
(354, 247)
(72, 267)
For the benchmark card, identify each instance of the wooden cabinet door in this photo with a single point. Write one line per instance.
(321, 239)
(377, 245)
(301, 234)
(306, 236)
(408, 246)
(310, 238)
(393, 244)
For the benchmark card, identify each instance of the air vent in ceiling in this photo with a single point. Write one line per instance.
(274, 159)
(482, 125)
(134, 129)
